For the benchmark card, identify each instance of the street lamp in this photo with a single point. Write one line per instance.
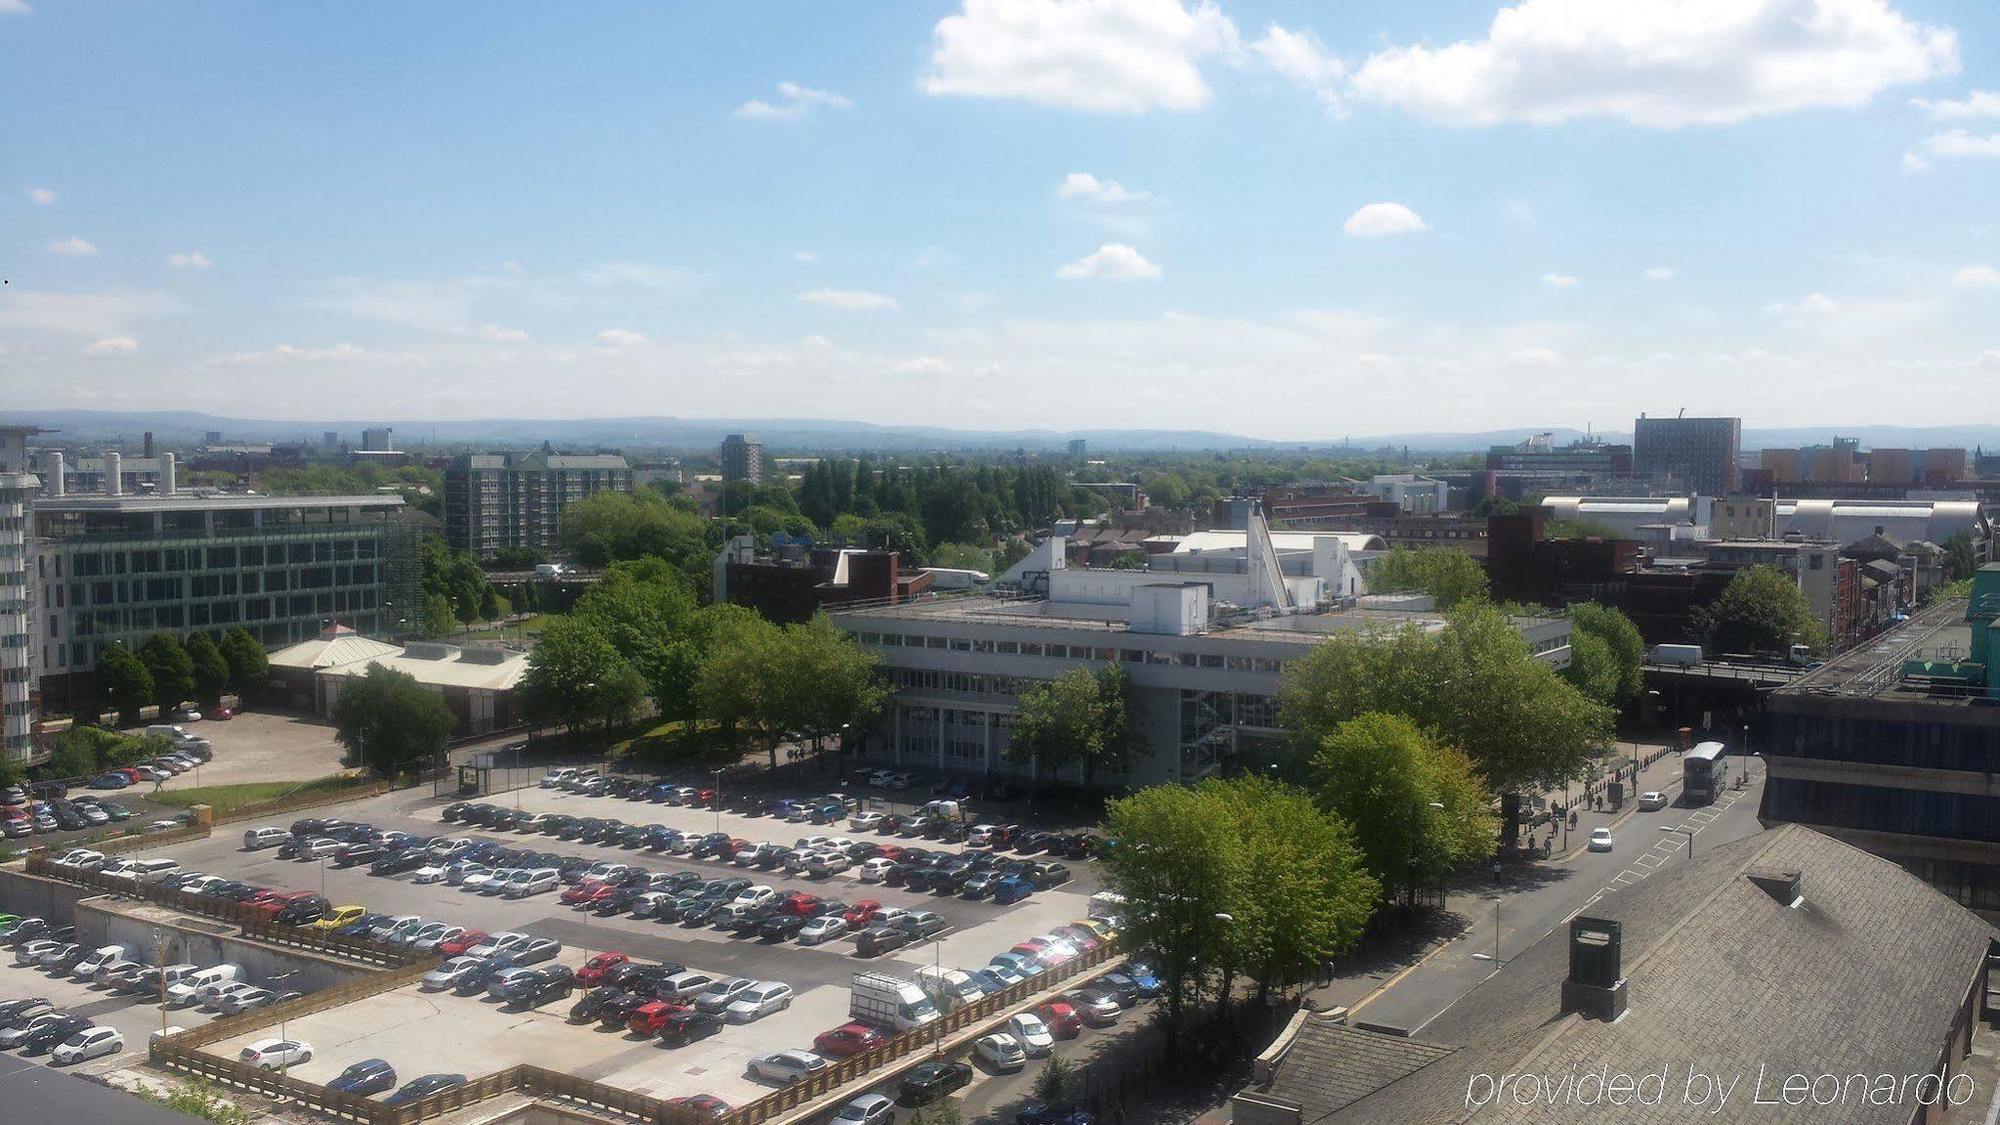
(1495, 955)
(1683, 830)
(937, 967)
(716, 789)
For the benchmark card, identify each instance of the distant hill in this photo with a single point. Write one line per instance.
(174, 427)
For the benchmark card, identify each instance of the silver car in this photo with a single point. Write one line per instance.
(447, 974)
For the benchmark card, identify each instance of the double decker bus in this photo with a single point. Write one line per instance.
(1704, 773)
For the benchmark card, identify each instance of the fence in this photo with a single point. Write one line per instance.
(139, 841)
(255, 923)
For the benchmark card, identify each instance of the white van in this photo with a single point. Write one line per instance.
(527, 882)
(949, 810)
(265, 837)
(146, 872)
(101, 956)
(949, 989)
(187, 990)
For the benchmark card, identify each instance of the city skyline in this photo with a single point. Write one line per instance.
(1047, 216)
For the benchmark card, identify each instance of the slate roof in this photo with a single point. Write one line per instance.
(1344, 1064)
(1866, 974)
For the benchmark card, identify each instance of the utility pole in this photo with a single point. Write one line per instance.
(160, 963)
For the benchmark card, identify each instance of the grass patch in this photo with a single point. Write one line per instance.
(225, 799)
(679, 742)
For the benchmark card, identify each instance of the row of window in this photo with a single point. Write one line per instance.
(91, 564)
(1080, 652)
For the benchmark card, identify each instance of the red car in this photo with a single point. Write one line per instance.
(704, 799)
(650, 1018)
(862, 913)
(461, 943)
(848, 1039)
(577, 893)
(271, 902)
(221, 713)
(1062, 1018)
(890, 852)
(594, 969)
(704, 1106)
(799, 903)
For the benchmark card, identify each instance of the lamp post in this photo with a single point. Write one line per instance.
(1683, 830)
(1495, 955)
(937, 967)
(716, 789)
(160, 966)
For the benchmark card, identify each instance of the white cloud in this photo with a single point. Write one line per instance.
(1990, 359)
(1084, 187)
(1978, 103)
(1984, 277)
(1300, 57)
(1558, 280)
(1535, 357)
(1379, 220)
(932, 255)
(1659, 273)
(192, 260)
(851, 300)
(1952, 144)
(805, 256)
(1112, 260)
(72, 248)
(794, 101)
(113, 345)
(1095, 56)
(923, 365)
(636, 275)
(619, 338)
(41, 195)
(500, 335)
(14, 8)
(1661, 63)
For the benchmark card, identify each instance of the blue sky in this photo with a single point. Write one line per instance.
(1283, 220)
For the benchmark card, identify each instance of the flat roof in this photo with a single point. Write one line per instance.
(1036, 613)
(1875, 667)
(186, 501)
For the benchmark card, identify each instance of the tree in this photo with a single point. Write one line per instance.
(646, 608)
(1452, 577)
(173, 673)
(248, 664)
(438, 616)
(489, 604)
(123, 683)
(1761, 610)
(962, 556)
(734, 686)
(1593, 668)
(210, 669)
(576, 677)
(1384, 776)
(389, 722)
(1960, 559)
(1624, 647)
(1080, 717)
(1474, 685)
(610, 526)
(1495, 505)
(831, 683)
(72, 756)
(1053, 1081)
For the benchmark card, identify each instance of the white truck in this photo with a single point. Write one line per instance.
(890, 1002)
(1686, 656)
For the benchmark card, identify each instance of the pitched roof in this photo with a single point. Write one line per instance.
(343, 646)
(1722, 977)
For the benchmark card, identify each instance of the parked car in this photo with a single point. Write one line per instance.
(717, 997)
(594, 969)
(868, 1109)
(881, 939)
(1000, 1051)
(369, 1076)
(417, 1089)
(276, 1054)
(822, 929)
(932, 1081)
(1034, 1036)
(1601, 840)
(848, 1039)
(539, 986)
(759, 1000)
(786, 1067)
(685, 1025)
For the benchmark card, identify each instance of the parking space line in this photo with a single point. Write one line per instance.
(1650, 861)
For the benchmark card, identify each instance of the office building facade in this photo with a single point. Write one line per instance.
(17, 610)
(1702, 451)
(497, 501)
(117, 569)
(742, 458)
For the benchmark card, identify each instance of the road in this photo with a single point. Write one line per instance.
(1546, 895)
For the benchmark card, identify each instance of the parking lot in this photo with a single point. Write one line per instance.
(262, 746)
(135, 1017)
(421, 1032)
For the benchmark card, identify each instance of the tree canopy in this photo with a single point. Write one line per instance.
(455, 579)
(389, 722)
(171, 671)
(1607, 654)
(1452, 577)
(1761, 610)
(576, 677)
(210, 669)
(809, 679)
(123, 683)
(1082, 717)
(610, 526)
(248, 663)
(1417, 807)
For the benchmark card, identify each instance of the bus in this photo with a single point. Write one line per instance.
(1704, 773)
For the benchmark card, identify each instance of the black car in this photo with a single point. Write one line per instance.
(879, 940)
(702, 911)
(1032, 842)
(950, 880)
(418, 1088)
(687, 1026)
(782, 927)
(449, 814)
(54, 1033)
(618, 902)
(29, 930)
(677, 883)
(532, 990)
(395, 863)
(751, 921)
(638, 879)
(303, 912)
(722, 890)
(636, 976)
(1081, 846)
(953, 832)
(309, 827)
(592, 1003)
(634, 835)
(614, 1012)
(62, 965)
(354, 854)
(369, 1076)
(932, 1081)
(475, 979)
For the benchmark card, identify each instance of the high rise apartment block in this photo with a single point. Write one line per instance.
(496, 501)
(742, 458)
(1702, 451)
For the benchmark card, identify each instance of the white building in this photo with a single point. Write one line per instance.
(1415, 495)
(17, 611)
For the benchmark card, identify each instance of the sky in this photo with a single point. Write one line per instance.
(1282, 220)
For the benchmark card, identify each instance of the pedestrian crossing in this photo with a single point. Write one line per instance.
(1665, 849)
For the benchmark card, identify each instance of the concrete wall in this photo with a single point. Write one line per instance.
(203, 941)
(33, 896)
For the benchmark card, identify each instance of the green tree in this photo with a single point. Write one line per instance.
(1761, 610)
(489, 604)
(1452, 577)
(123, 683)
(1416, 807)
(248, 663)
(389, 722)
(610, 526)
(172, 672)
(831, 683)
(72, 756)
(646, 608)
(1624, 647)
(1081, 717)
(1053, 1081)
(1960, 559)
(962, 556)
(1593, 669)
(737, 682)
(210, 669)
(1179, 867)
(1474, 685)
(439, 620)
(576, 677)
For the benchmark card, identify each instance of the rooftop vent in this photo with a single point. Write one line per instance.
(1785, 887)
(427, 650)
(1594, 986)
(482, 654)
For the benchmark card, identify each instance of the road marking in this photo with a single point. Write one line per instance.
(1651, 861)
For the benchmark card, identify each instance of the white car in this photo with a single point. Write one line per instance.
(498, 943)
(1033, 1035)
(90, 1043)
(755, 896)
(86, 969)
(786, 1067)
(275, 1054)
(321, 848)
(214, 996)
(759, 1000)
(80, 858)
(824, 928)
(865, 821)
(1652, 799)
(476, 881)
(748, 857)
(556, 777)
(827, 863)
(1600, 839)
(872, 871)
(981, 835)
(428, 873)
(1001, 1051)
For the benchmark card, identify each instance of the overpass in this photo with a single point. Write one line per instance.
(1731, 671)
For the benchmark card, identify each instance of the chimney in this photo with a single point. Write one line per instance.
(56, 482)
(1786, 888)
(149, 443)
(166, 474)
(114, 473)
(1594, 988)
